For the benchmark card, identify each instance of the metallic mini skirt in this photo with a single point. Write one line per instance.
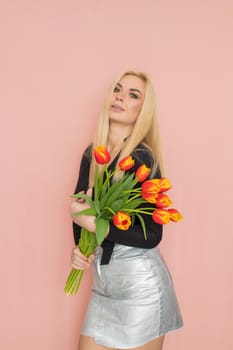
(132, 300)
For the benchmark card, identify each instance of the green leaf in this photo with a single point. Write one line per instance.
(106, 183)
(116, 190)
(84, 196)
(101, 229)
(107, 210)
(89, 211)
(87, 242)
(97, 206)
(101, 178)
(96, 182)
(117, 205)
(143, 224)
(134, 203)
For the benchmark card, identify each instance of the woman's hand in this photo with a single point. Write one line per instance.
(86, 221)
(80, 261)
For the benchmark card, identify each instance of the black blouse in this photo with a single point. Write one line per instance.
(134, 236)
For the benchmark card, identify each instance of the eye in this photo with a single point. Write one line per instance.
(133, 95)
(116, 89)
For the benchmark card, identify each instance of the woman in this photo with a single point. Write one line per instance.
(133, 303)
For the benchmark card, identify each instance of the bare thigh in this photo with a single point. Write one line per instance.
(155, 344)
(88, 343)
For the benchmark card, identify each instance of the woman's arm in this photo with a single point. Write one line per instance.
(88, 222)
(79, 260)
(82, 186)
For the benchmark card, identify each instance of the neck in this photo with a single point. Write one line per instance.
(116, 137)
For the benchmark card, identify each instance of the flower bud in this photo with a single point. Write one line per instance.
(152, 185)
(161, 216)
(122, 220)
(126, 163)
(101, 155)
(164, 184)
(163, 201)
(142, 173)
(149, 196)
(175, 215)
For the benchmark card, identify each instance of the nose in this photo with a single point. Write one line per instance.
(119, 96)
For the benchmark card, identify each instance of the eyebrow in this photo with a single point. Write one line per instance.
(130, 89)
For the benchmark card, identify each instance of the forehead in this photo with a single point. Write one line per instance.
(132, 82)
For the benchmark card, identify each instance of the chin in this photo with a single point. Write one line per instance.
(115, 116)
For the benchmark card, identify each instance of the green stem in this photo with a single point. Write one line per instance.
(110, 209)
(136, 190)
(137, 211)
(87, 245)
(132, 198)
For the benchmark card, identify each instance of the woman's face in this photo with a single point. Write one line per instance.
(127, 100)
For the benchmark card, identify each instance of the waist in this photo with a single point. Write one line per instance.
(123, 252)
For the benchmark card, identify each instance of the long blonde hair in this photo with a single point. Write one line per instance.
(145, 130)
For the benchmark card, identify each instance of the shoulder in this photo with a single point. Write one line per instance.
(86, 156)
(143, 155)
(88, 151)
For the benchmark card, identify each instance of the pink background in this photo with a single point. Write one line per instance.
(57, 60)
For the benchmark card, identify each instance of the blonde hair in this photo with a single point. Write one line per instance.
(145, 130)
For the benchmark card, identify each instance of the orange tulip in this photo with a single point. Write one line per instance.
(161, 216)
(164, 184)
(101, 155)
(142, 173)
(122, 220)
(126, 163)
(163, 201)
(152, 185)
(149, 196)
(175, 215)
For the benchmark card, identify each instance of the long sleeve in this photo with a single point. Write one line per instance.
(82, 185)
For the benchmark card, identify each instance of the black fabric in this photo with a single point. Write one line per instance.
(134, 236)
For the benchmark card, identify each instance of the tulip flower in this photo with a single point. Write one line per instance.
(164, 184)
(126, 163)
(175, 215)
(122, 220)
(149, 196)
(163, 201)
(152, 185)
(150, 190)
(142, 173)
(161, 216)
(101, 155)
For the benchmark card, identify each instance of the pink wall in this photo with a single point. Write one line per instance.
(57, 59)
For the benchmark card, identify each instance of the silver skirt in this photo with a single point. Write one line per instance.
(132, 300)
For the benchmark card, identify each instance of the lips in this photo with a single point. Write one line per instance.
(117, 108)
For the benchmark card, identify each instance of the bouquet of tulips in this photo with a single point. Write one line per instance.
(120, 202)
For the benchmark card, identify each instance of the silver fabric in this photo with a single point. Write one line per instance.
(132, 300)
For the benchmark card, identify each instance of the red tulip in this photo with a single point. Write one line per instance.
(152, 185)
(164, 184)
(126, 163)
(175, 215)
(142, 173)
(149, 196)
(101, 155)
(122, 220)
(150, 189)
(161, 216)
(163, 201)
